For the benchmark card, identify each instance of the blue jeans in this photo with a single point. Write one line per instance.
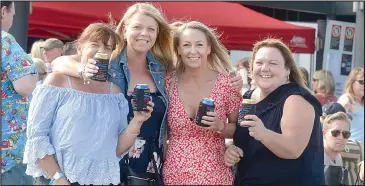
(16, 176)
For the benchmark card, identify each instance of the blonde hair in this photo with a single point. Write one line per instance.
(326, 81)
(175, 25)
(295, 74)
(351, 79)
(40, 65)
(36, 50)
(218, 58)
(327, 123)
(162, 49)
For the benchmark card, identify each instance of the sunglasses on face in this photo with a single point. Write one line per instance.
(361, 82)
(345, 134)
(315, 79)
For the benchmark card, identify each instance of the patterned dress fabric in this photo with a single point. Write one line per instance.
(195, 156)
(15, 64)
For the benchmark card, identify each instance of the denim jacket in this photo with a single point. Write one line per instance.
(119, 71)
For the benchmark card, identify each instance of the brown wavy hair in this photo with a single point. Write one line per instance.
(99, 32)
(295, 74)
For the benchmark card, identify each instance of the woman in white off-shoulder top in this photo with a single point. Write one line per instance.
(77, 132)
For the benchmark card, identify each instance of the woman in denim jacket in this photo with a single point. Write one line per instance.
(144, 57)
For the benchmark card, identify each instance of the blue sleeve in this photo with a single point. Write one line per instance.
(40, 121)
(116, 76)
(124, 108)
(16, 62)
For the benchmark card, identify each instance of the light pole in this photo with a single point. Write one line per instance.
(358, 7)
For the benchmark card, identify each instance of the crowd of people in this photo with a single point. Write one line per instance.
(60, 127)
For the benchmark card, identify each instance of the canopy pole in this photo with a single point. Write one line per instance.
(311, 70)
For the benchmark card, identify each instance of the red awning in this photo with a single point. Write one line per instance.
(241, 27)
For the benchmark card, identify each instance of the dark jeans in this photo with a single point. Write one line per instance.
(16, 176)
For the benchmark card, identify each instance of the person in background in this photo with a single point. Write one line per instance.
(324, 87)
(36, 51)
(336, 132)
(305, 75)
(243, 66)
(18, 80)
(361, 173)
(353, 101)
(69, 142)
(69, 48)
(195, 154)
(283, 141)
(41, 69)
(331, 108)
(52, 49)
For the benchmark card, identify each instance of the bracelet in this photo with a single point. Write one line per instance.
(81, 72)
(82, 75)
(57, 176)
(224, 128)
(126, 129)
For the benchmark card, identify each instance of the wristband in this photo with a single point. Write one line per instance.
(56, 176)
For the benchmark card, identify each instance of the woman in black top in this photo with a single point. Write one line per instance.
(283, 142)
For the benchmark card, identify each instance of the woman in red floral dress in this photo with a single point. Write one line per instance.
(195, 154)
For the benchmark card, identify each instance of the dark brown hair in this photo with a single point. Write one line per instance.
(7, 4)
(99, 32)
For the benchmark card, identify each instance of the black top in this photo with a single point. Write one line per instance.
(260, 166)
(147, 140)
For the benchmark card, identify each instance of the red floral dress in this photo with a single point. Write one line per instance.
(195, 156)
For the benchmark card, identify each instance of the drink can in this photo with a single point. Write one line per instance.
(247, 107)
(140, 97)
(206, 105)
(102, 61)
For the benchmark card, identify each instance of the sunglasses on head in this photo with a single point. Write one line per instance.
(345, 134)
(361, 82)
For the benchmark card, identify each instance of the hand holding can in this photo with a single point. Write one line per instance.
(248, 107)
(206, 105)
(102, 62)
(140, 97)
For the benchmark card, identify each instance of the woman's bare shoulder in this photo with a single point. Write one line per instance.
(56, 79)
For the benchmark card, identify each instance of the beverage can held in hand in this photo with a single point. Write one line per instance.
(102, 61)
(206, 105)
(140, 97)
(248, 107)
